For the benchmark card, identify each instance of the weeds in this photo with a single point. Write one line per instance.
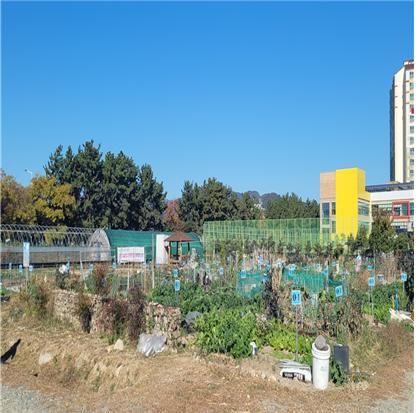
(84, 312)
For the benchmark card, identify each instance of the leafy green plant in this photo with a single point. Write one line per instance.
(337, 373)
(227, 331)
(283, 338)
(193, 297)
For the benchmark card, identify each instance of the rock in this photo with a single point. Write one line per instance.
(118, 345)
(321, 343)
(191, 317)
(45, 358)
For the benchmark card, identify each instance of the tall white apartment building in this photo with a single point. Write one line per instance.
(402, 124)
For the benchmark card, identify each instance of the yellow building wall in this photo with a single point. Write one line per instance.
(349, 187)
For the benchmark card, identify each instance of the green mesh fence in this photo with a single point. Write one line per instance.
(298, 231)
(250, 284)
(312, 282)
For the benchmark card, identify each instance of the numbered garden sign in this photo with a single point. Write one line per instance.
(338, 291)
(296, 303)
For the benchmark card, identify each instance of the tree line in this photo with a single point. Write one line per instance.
(87, 188)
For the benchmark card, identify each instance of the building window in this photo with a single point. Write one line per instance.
(325, 210)
(411, 129)
(411, 96)
(411, 151)
(400, 210)
(411, 172)
(363, 209)
(411, 118)
(411, 75)
(411, 86)
(411, 140)
(411, 162)
(411, 108)
(333, 209)
(334, 227)
(411, 209)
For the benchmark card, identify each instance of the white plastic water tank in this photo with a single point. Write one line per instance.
(320, 367)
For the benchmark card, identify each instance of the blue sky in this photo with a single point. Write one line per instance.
(261, 96)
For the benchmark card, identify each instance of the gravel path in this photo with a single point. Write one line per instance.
(402, 404)
(18, 399)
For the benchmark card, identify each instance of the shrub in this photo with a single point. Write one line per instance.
(341, 319)
(136, 312)
(228, 331)
(84, 312)
(37, 299)
(100, 283)
(115, 317)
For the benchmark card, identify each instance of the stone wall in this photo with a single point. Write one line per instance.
(65, 308)
(159, 319)
(163, 320)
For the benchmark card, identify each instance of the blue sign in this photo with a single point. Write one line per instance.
(30, 268)
(177, 285)
(404, 276)
(243, 274)
(175, 272)
(20, 268)
(295, 280)
(371, 281)
(370, 268)
(339, 291)
(295, 297)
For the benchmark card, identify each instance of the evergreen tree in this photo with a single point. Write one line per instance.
(218, 201)
(87, 179)
(382, 236)
(247, 208)
(60, 166)
(190, 208)
(291, 206)
(119, 188)
(150, 201)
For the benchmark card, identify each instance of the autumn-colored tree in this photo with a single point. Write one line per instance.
(171, 218)
(14, 200)
(50, 203)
